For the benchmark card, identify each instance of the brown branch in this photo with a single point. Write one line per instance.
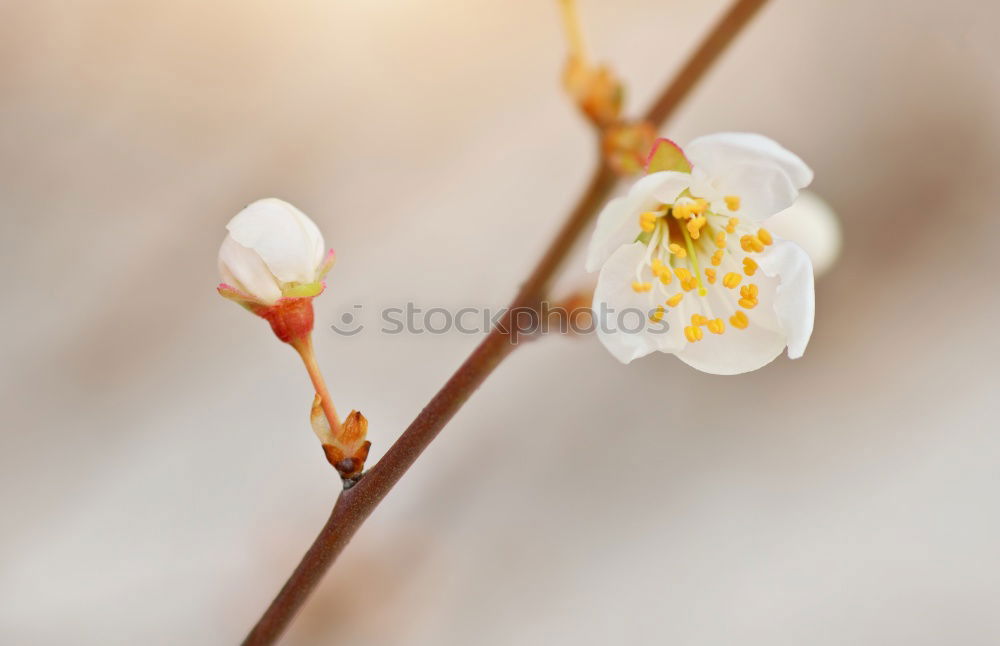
(357, 503)
(728, 27)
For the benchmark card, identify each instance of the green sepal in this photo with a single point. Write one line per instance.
(666, 155)
(301, 290)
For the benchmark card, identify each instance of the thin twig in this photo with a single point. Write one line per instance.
(355, 505)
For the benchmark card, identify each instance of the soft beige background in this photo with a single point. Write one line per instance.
(157, 476)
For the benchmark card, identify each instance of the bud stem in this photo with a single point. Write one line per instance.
(571, 20)
(303, 345)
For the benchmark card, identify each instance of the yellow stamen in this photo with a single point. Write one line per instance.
(716, 326)
(682, 211)
(698, 319)
(731, 225)
(717, 257)
(751, 243)
(665, 276)
(657, 315)
(693, 333)
(677, 250)
(749, 291)
(695, 225)
(731, 280)
(764, 236)
(732, 202)
(720, 239)
(648, 221)
(675, 299)
(748, 303)
(710, 274)
(749, 266)
(694, 261)
(700, 206)
(682, 273)
(739, 320)
(689, 284)
(642, 287)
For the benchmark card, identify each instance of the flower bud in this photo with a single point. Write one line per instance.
(626, 146)
(346, 449)
(813, 225)
(595, 89)
(273, 264)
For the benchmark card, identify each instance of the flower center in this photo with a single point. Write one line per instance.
(677, 236)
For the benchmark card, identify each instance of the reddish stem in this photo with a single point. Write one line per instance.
(303, 345)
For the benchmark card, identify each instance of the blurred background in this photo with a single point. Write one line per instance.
(160, 480)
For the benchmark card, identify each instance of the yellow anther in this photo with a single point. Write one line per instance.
(677, 250)
(710, 274)
(716, 326)
(749, 266)
(764, 236)
(689, 284)
(751, 243)
(749, 291)
(641, 287)
(695, 225)
(682, 273)
(700, 206)
(698, 319)
(720, 239)
(682, 211)
(693, 333)
(732, 202)
(732, 279)
(665, 276)
(657, 315)
(647, 221)
(717, 257)
(739, 320)
(748, 303)
(675, 299)
(732, 224)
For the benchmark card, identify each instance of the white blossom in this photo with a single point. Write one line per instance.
(687, 247)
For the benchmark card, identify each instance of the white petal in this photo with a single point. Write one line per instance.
(285, 238)
(716, 153)
(811, 224)
(795, 299)
(609, 234)
(735, 351)
(243, 268)
(763, 189)
(618, 223)
(621, 314)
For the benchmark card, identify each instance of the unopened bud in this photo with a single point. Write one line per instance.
(347, 449)
(273, 262)
(627, 146)
(595, 90)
